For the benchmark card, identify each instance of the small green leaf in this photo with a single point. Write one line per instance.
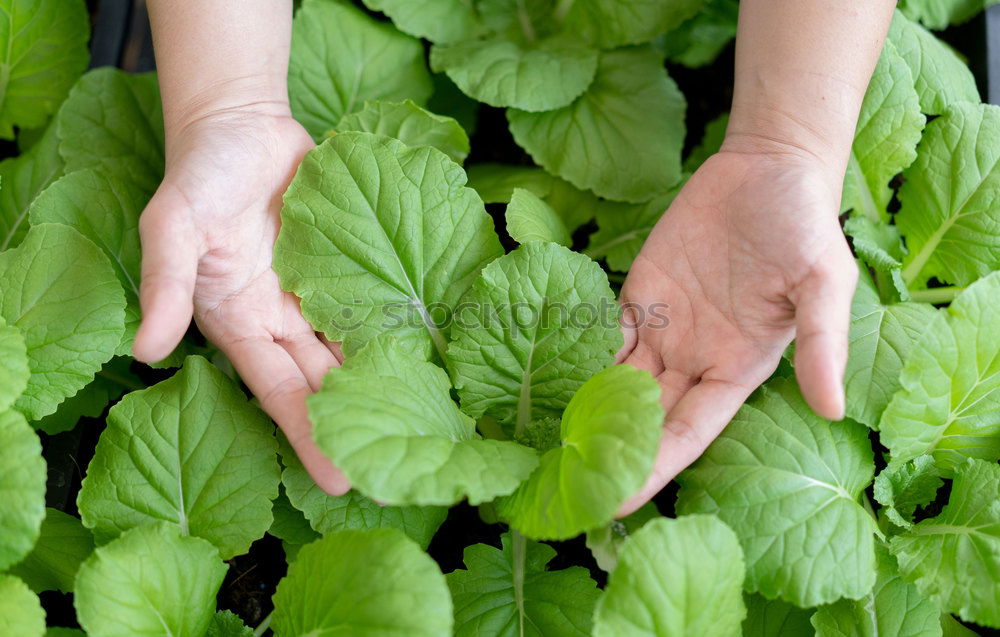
(775, 618)
(44, 50)
(149, 581)
(15, 372)
(605, 543)
(938, 14)
(541, 321)
(226, 624)
(953, 559)
(610, 24)
(408, 443)
(878, 244)
(114, 379)
(529, 218)
(71, 312)
(949, 403)
(450, 101)
(379, 237)
(21, 612)
(440, 21)
(371, 61)
(411, 125)
(702, 38)
(113, 122)
(902, 489)
(62, 546)
(190, 451)
(610, 431)
(363, 584)
(22, 488)
(788, 483)
(622, 229)
(495, 183)
(509, 592)
(701, 559)
(711, 142)
(290, 525)
(631, 110)
(21, 179)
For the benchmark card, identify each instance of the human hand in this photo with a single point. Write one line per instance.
(749, 255)
(207, 236)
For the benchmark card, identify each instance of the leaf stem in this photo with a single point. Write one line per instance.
(525, 19)
(264, 625)
(936, 295)
(518, 550)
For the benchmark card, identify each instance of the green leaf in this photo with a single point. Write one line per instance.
(880, 340)
(702, 38)
(949, 404)
(539, 75)
(22, 488)
(411, 125)
(21, 179)
(610, 24)
(327, 514)
(605, 543)
(106, 210)
(949, 215)
(902, 489)
(775, 618)
(44, 50)
(440, 21)
(71, 312)
(62, 546)
(940, 77)
(113, 122)
(21, 613)
(788, 483)
(622, 228)
(509, 592)
(885, 141)
(495, 183)
(363, 584)
(529, 218)
(226, 624)
(371, 60)
(190, 451)
(14, 373)
(632, 110)
(376, 236)
(540, 322)
(701, 559)
(149, 581)
(610, 434)
(950, 627)
(878, 244)
(408, 443)
(938, 14)
(290, 525)
(111, 382)
(711, 142)
(893, 607)
(953, 558)
(450, 101)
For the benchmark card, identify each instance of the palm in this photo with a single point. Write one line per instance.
(749, 252)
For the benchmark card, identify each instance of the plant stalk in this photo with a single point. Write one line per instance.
(935, 295)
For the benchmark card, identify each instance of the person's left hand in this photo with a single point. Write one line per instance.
(749, 255)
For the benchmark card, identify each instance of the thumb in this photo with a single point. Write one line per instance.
(822, 320)
(169, 269)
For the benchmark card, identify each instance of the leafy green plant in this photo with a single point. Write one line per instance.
(479, 410)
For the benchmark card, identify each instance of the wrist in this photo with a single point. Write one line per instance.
(255, 95)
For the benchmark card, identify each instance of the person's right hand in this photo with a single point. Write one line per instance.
(207, 236)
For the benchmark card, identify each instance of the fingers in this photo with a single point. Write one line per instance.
(822, 320)
(630, 332)
(276, 379)
(693, 423)
(312, 356)
(169, 269)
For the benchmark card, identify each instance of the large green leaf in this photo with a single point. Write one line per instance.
(788, 483)
(113, 122)
(775, 618)
(386, 418)
(880, 340)
(14, 369)
(327, 514)
(950, 213)
(440, 21)
(954, 558)
(379, 237)
(613, 23)
(342, 57)
(21, 179)
(538, 75)
(609, 431)
(21, 613)
(71, 312)
(43, 49)
(149, 581)
(190, 451)
(622, 228)
(622, 138)
(902, 489)
(949, 404)
(62, 546)
(374, 583)
(411, 125)
(667, 571)
(509, 592)
(540, 322)
(940, 76)
(885, 141)
(893, 607)
(529, 218)
(22, 488)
